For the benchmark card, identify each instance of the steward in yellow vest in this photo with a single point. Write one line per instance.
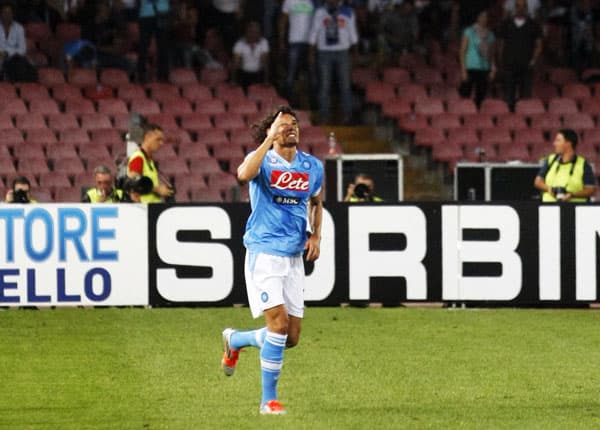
(141, 163)
(564, 175)
(104, 191)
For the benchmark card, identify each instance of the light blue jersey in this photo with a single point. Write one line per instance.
(279, 197)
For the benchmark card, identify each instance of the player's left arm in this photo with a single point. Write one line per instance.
(315, 217)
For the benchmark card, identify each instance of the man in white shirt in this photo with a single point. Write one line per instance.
(251, 57)
(333, 33)
(533, 8)
(294, 22)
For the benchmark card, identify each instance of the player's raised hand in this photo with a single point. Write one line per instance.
(313, 247)
(275, 132)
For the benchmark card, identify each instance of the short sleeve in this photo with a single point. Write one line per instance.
(544, 169)
(589, 179)
(318, 184)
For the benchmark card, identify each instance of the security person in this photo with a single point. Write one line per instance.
(565, 176)
(104, 191)
(141, 163)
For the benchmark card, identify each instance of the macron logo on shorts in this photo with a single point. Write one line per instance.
(293, 181)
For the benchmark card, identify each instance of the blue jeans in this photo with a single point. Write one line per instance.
(337, 62)
(298, 59)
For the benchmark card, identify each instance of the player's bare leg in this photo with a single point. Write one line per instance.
(294, 328)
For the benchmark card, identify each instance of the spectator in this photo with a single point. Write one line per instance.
(154, 21)
(226, 17)
(104, 191)
(583, 19)
(15, 66)
(533, 8)
(477, 58)
(217, 56)
(520, 46)
(362, 190)
(294, 22)
(333, 33)
(187, 51)
(20, 191)
(399, 30)
(251, 57)
(141, 163)
(564, 175)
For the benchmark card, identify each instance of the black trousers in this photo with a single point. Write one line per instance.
(517, 80)
(477, 79)
(157, 27)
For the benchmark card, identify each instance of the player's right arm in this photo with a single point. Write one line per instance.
(250, 167)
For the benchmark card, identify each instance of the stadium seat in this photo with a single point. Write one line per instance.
(447, 152)
(213, 137)
(226, 152)
(62, 92)
(50, 76)
(591, 106)
(91, 153)
(576, 91)
(498, 136)
(62, 121)
(478, 121)
(81, 77)
(6, 121)
(446, 121)
(177, 106)
(429, 107)
(32, 166)
(212, 77)
(190, 181)
(480, 152)
(545, 91)
(427, 76)
(378, 92)
(262, 93)
(511, 121)
(145, 107)
(105, 135)
(7, 168)
(33, 90)
(190, 150)
(465, 135)
(66, 31)
(27, 150)
(410, 123)
(95, 121)
(529, 107)
(29, 121)
(396, 107)
(182, 76)
(463, 106)
(562, 76)
(37, 31)
(62, 150)
(79, 106)
(579, 121)
(562, 106)
(546, 122)
(43, 106)
(227, 91)
(174, 166)
(11, 137)
(130, 92)
(76, 136)
(120, 122)
(68, 194)
(162, 91)
(54, 179)
(71, 165)
(112, 106)
(529, 136)
(396, 76)
(494, 107)
(113, 77)
(42, 195)
(429, 137)
(206, 195)
(229, 121)
(243, 106)
(211, 107)
(515, 152)
(204, 165)
(164, 120)
(43, 136)
(196, 93)
(448, 94)
(412, 92)
(12, 107)
(223, 181)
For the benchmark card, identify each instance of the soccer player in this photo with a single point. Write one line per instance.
(285, 186)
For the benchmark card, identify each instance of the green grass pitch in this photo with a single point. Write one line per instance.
(354, 369)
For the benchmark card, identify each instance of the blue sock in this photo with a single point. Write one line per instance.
(241, 339)
(271, 360)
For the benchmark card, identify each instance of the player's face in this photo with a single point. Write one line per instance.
(289, 131)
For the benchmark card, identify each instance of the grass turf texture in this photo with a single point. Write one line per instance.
(354, 369)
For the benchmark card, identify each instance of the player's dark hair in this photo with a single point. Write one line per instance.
(259, 129)
(147, 127)
(569, 135)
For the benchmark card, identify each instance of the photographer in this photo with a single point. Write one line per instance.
(20, 191)
(104, 191)
(362, 190)
(141, 163)
(565, 176)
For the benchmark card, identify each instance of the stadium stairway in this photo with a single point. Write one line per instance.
(420, 183)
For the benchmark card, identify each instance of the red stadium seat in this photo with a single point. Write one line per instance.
(512, 121)
(496, 136)
(494, 107)
(162, 92)
(71, 165)
(145, 107)
(229, 121)
(412, 92)
(12, 107)
(396, 76)
(43, 136)
(27, 150)
(361, 76)
(196, 121)
(262, 92)
(113, 77)
(226, 152)
(206, 195)
(429, 137)
(75, 136)
(164, 120)
(546, 121)
(196, 93)
(463, 106)
(90, 153)
(213, 137)
(177, 106)
(50, 76)
(33, 90)
(429, 107)
(105, 135)
(394, 108)
(182, 76)
(579, 121)
(95, 121)
(79, 106)
(427, 76)
(562, 106)
(226, 92)
(562, 76)
(515, 152)
(530, 107)
(29, 121)
(576, 91)
(32, 166)
(37, 31)
(43, 106)
(11, 137)
(62, 150)
(63, 92)
(204, 165)
(447, 94)
(529, 136)
(130, 92)
(212, 77)
(446, 121)
(410, 123)
(66, 31)
(112, 106)
(464, 136)
(82, 77)
(378, 92)
(211, 107)
(193, 150)
(243, 106)
(62, 121)
(6, 121)
(479, 121)
(68, 194)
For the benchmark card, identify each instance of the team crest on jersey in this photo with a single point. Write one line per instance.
(293, 181)
(273, 160)
(306, 165)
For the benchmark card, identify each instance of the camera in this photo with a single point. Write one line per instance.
(559, 193)
(362, 191)
(20, 196)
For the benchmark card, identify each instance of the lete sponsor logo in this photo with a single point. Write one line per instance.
(294, 181)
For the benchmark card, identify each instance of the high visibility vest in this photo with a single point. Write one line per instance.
(148, 169)
(567, 175)
(115, 197)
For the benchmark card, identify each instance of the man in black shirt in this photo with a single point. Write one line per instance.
(520, 45)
